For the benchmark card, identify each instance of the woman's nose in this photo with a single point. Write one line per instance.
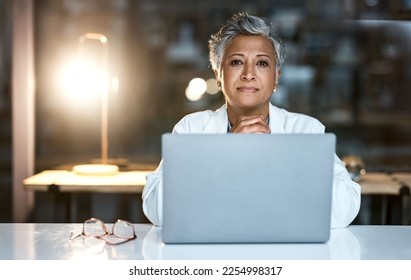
(248, 72)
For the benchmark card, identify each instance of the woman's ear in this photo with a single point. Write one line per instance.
(277, 78)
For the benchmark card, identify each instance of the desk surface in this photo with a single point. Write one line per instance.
(382, 183)
(51, 241)
(68, 181)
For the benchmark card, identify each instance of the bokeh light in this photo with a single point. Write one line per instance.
(196, 88)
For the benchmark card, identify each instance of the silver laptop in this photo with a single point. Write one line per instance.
(247, 188)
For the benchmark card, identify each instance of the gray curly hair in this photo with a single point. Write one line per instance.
(244, 24)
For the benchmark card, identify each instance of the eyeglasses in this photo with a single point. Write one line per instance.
(121, 232)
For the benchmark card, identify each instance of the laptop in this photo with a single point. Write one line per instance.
(247, 188)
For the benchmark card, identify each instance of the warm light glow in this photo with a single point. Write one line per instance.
(103, 39)
(93, 36)
(212, 87)
(196, 88)
(115, 84)
(81, 77)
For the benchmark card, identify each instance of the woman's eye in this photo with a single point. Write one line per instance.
(262, 63)
(236, 62)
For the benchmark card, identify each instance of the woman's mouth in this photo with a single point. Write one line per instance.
(247, 89)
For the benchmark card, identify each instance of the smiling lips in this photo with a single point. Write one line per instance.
(247, 89)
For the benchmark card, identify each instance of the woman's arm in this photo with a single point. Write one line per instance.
(346, 197)
(153, 196)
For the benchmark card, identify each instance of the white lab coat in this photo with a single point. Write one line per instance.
(346, 196)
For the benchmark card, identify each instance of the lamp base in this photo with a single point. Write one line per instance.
(96, 169)
(120, 162)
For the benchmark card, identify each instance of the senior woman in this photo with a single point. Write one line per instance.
(246, 57)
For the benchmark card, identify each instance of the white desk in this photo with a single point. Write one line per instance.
(51, 241)
(66, 184)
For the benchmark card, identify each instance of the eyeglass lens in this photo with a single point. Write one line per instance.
(123, 229)
(95, 227)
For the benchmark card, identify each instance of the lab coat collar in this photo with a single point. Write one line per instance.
(218, 123)
(276, 120)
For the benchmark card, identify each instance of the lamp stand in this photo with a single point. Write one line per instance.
(103, 168)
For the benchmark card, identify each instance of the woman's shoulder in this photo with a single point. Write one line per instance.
(196, 122)
(198, 117)
(298, 121)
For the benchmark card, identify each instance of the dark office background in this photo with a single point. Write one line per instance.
(348, 65)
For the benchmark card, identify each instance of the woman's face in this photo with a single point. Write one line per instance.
(248, 74)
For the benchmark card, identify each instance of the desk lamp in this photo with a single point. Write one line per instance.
(97, 79)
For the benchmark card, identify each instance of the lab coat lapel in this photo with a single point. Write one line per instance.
(276, 120)
(218, 123)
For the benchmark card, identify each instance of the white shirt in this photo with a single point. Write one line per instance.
(346, 195)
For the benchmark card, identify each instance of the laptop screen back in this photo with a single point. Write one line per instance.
(247, 188)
